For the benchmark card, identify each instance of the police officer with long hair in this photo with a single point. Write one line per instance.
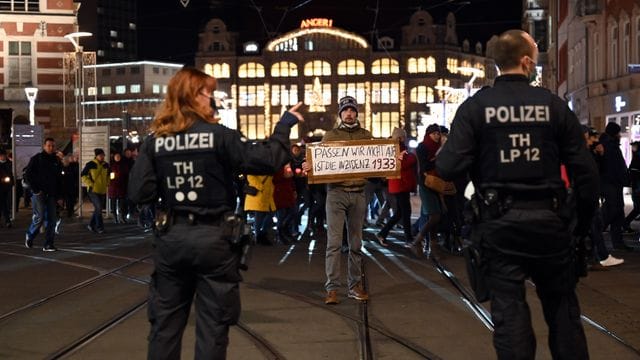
(512, 138)
(188, 164)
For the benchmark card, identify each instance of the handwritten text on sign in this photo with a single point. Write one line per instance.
(354, 159)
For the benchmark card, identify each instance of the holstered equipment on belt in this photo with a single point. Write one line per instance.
(491, 204)
(476, 271)
(239, 234)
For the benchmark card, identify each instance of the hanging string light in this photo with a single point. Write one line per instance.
(184, 3)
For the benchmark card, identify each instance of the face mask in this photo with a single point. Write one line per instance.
(533, 75)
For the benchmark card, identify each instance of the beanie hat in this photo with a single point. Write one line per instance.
(612, 129)
(433, 128)
(345, 102)
(98, 151)
(443, 129)
(398, 133)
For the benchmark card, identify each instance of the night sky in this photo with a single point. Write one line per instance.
(169, 32)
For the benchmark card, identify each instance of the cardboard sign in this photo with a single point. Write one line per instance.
(335, 161)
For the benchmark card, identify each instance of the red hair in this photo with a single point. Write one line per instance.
(179, 110)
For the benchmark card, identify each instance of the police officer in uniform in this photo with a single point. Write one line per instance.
(188, 163)
(512, 138)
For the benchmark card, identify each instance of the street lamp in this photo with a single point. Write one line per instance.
(78, 91)
(31, 93)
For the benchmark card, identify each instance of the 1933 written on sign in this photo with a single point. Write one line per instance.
(335, 161)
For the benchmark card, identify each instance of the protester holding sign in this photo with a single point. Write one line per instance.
(345, 202)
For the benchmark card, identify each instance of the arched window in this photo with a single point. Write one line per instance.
(317, 68)
(218, 71)
(351, 67)
(385, 66)
(421, 65)
(284, 69)
(251, 70)
(421, 95)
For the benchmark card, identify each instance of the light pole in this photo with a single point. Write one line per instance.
(31, 93)
(79, 100)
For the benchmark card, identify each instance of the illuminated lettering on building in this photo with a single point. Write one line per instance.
(316, 22)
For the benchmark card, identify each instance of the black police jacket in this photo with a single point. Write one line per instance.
(193, 171)
(514, 136)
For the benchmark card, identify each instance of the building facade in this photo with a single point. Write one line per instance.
(128, 95)
(32, 45)
(599, 46)
(113, 24)
(409, 81)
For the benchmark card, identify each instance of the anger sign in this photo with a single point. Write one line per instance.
(335, 161)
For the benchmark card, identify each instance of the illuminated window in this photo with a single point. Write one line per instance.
(431, 64)
(284, 95)
(19, 62)
(480, 67)
(91, 91)
(382, 123)
(164, 89)
(106, 90)
(251, 70)
(218, 71)
(385, 93)
(357, 90)
(251, 95)
(421, 65)
(351, 67)
(252, 126)
(385, 66)
(274, 121)
(317, 68)
(121, 89)
(284, 69)
(452, 65)
(135, 88)
(288, 45)
(309, 95)
(155, 89)
(421, 95)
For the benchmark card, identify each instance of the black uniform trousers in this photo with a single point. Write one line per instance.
(192, 260)
(526, 243)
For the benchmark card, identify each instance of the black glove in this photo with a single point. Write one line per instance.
(288, 119)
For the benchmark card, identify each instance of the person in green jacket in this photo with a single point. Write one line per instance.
(95, 176)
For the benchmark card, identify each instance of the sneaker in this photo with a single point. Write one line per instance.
(358, 293)
(90, 228)
(100, 231)
(611, 261)
(9, 224)
(331, 298)
(28, 242)
(381, 239)
(49, 248)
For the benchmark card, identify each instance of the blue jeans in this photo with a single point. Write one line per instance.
(44, 210)
(97, 202)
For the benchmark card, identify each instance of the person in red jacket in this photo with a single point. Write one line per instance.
(285, 198)
(119, 176)
(401, 189)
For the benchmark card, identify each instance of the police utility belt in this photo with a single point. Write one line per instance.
(186, 217)
(491, 204)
